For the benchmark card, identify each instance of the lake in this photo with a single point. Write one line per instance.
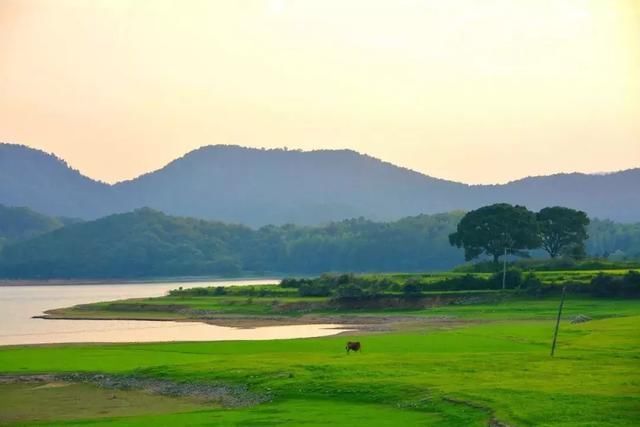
(18, 305)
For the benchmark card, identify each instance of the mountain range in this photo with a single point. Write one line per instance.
(256, 187)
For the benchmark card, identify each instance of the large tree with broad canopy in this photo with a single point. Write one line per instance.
(496, 229)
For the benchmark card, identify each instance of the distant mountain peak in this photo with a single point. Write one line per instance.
(262, 186)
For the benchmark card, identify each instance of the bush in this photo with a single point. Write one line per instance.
(605, 285)
(412, 289)
(373, 290)
(532, 285)
(468, 282)
(294, 283)
(314, 290)
(631, 284)
(349, 291)
(386, 284)
(344, 279)
(513, 279)
(289, 283)
(195, 292)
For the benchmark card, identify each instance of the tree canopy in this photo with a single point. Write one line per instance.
(562, 231)
(496, 229)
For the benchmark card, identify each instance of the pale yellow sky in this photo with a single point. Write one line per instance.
(479, 91)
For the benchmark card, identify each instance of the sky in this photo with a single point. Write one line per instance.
(478, 91)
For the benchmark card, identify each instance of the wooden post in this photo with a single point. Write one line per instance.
(555, 333)
(504, 269)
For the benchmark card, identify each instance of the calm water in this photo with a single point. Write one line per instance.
(19, 303)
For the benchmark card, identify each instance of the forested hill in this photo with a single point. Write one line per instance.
(22, 223)
(257, 187)
(148, 243)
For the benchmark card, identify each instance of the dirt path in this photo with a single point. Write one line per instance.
(231, 396)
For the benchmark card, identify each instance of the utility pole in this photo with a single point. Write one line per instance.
(504, 269)
(555, 333)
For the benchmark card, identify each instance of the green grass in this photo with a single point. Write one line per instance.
(497, 364)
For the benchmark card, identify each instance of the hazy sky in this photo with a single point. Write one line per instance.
(477, 91)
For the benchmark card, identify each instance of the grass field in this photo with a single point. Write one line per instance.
(493, 367)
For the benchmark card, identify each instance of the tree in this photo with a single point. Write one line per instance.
(349, 291)
(563, 231)
(496, 229)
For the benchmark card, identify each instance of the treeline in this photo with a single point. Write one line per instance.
(613, 241)
(367, 287)
(147, 243)
(349, 286)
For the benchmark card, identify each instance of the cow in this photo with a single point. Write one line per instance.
(353, 346)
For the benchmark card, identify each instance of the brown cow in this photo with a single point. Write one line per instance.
(353, 346)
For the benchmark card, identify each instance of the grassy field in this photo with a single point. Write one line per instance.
(492, 367)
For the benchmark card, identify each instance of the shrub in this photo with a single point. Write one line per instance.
(373, 290)
(294, 283)
(289, 283)
(349, 291)
(513, 279)
(314, 290)
(604, 285)
(467, 282)
(386, 284)
(531, 284)
(344, 279)
(412, 289)
(197, 292)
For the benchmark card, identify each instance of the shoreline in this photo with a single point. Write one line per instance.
(366, 323)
